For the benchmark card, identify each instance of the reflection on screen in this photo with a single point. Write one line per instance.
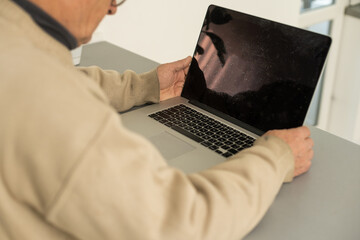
(260, 72)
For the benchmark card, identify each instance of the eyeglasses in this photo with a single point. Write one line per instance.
(117, 3)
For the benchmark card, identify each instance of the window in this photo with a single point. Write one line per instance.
(307, 5)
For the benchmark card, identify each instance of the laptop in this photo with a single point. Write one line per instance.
(248, 75)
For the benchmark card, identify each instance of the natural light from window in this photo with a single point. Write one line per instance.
(307, 5)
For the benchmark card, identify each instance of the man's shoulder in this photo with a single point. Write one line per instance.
(50, 110)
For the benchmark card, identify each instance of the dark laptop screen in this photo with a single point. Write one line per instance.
(258, 71)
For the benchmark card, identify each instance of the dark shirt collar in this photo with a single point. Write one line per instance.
(48, 24)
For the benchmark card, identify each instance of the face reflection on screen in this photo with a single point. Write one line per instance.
(261, 72)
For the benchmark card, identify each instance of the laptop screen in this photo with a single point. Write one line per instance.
(257, 71)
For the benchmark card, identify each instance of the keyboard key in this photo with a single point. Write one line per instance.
(219, 144)
(163, 121)
(164, 115)
(233, 151)
(240, 148)
(200, 134)
(225, 147)
(186, 133)
(234, 146)
(219, 152)
(213, 147)
(206, 144)
(227, 154)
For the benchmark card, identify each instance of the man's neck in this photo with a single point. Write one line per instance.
(47, 22)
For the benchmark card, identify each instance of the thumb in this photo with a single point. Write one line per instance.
(183, 63)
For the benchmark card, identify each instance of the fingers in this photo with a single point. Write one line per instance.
(183, 63)
(305, 152)
(301, 169)
(302, 132)
(310, 143)
(303, 163)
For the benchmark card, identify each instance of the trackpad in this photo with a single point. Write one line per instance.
(170, 146)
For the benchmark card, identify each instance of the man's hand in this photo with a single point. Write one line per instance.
(172, 77)
(301, 145)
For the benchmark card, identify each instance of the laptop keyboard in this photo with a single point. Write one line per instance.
(211, 133)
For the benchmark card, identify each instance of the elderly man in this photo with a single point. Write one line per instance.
(69, 168)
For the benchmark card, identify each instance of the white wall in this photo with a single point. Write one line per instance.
(167, 30)
(344, 116)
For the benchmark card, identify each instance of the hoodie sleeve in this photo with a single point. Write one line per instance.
(128, 89)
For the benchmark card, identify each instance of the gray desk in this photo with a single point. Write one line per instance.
(322, 204)
(109, 56)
